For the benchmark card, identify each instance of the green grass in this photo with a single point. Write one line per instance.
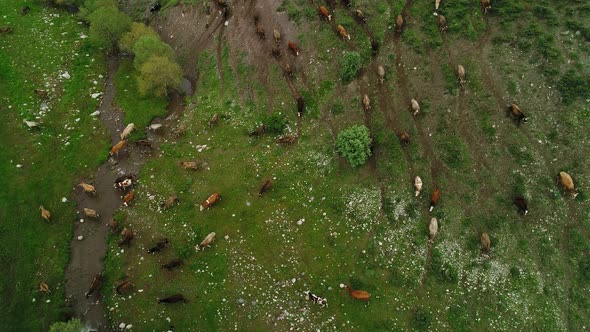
(70, 144)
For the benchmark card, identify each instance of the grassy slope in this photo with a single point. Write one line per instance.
(44, 44)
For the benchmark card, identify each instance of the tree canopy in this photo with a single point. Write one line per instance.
(157, 75)
(137, 31)
(107, 25)
(354, 144)
(148, 46)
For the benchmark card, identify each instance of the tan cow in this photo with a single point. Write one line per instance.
(277, 36)
(367, 102)
(44, 213)
(418, 185)
(485, 243)
(91, 213)
(415, 107)
(88, 188)
(214, 119)
(568, 183)
(432, 229)
(461, 74)
(127, 131)
(342, 32)
(44, 288)
(381, 73)
(117, 147)
(442, 23)
(207, 241)
(399, 23)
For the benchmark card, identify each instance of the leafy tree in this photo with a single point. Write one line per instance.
(137, 31)
(148, 46)
(107, 24)
(92, 5)
(350, 64)
(354, 144)
(74, 325)
(157, 75)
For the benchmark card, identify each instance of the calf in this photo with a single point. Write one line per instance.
(461, 74)
(418, 185)
(520, 202)
(91, 213)
(260, 31)
(432, 229)
(367, 102)
(323, 302)
(45, 214)
(442, 23)
(404, 138)
(193, 165)
(381, 73)
(258, 131)
(127, 237)
(287, 139)
(342, 32)
(293, 47)
(44, 288)
(214, 119)
(207, 241)
(172, 264)
(277, 36)
(96, 282)
(173, 299)
(360, 16)
(128, 198)
(265, 187)
(434, 198)
(399, 23)
(325, 13)
(159, 246)
(210, 201)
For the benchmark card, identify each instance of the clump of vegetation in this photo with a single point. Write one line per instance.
(421, 319)
(158, 75)
(74, 325)
(107, 25)
(350, 64)
(571, 86)
(354, 144)
(138, 30)
(275, 123)
(149, 46)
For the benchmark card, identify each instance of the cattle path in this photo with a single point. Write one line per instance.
(87, 254)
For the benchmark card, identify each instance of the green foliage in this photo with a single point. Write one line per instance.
(421, 319)
(354, 144)
(137, 31)
(74, 325)
(158, 75)
(572, 85)
(350, 64)
(275, 123)
(148, 46)
(107, 24)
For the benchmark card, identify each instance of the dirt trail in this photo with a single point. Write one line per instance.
(86, 259)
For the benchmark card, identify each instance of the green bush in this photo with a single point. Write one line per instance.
(137, 31)
(158, 75)
(275, 123)
(350, 64)
(148, 46)
(421, 319)
(74, 325)
(354, 144)
(107, 24)
(571, 86)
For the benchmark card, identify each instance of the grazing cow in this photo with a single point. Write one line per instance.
(300, 105)
(31, 124)
(399, 23)
(381, 73)
(358, 294)
(172, 264)
(343, 33)
(193, 165)
(485, 5)
(44, 288)
(207, 241)
(520, 202)
(117, 147)
(415, 107)
(113, 225)
(260, 31)
(210, 201)
(6, 29)
(323, 302)
(367, 102)
(155, 126)
(461, 74)
(88, 188)
(485, 243)
(96, 282)
(568, 183)
(159, 246)
(169, 202)
(287, 71)
(442, 23)
(434, 198)
(125, 133)
(128, 198)
(90, 213)
(155, 8)
(287, 139)
(517, 115)
(25, 10)
(293, 47)
(432, 229)
(277, 36)
(374, 47)
(265, 187)
(418, 185)
(127, 237)
(360, 16)
(404, 138)
(325, 13)
(276, 52)
(173, 299)
(41, 93)
(436, 5)
(124, 286)
(214, 119)
(124, 182)
(258, 131)
(44, 213)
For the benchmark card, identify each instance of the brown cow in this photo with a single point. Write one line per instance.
(485, 243)
(381, 73)
(173, 299)
(415, 107)
(434, 198)
(88, 188)
(358, 294)
(258, 131)
(520, 202)
(128, 198)
(207, 241)
(294, 48)
(169, 202)
(517, 115)
(399, 23)
(442, 23)
(461, 74)
(127, 237)
(214, 119)
(260, 31)
(91, 213)
(325, 13)
(124, 286)
(300, 105)
(172, 264)
(404, 138)
(117, 147)
(45, 214)
(432, 229)
(342, 32)
(210, 201)
(418, 185)
(485, 5)
(568, 183)
(96, 282)
(366, 102)
(277, 36)
(287, 139)
(360, 16)
(265, 187)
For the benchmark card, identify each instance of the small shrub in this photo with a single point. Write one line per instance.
(275, 123)
(421, 319)
(571, 86)
(354, 144)
(148, 46)
(137, 31)
(350, 64)
(74, 325)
